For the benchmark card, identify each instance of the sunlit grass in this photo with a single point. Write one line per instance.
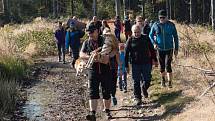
(172, 99)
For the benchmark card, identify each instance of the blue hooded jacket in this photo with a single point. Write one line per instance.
(73, 38)
(166, 36)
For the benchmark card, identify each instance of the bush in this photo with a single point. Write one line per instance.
(12, 71)
(43, 39)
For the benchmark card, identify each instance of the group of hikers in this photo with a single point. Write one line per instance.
(145, 45)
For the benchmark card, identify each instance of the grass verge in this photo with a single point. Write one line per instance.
(172, 99)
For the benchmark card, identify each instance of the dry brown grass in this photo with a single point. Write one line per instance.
(193, 82)
(9, 33)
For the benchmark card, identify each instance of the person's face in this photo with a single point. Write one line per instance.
(136, 32)
(93, 34)
(162, 19)
(139, 22)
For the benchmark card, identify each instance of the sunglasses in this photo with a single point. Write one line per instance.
(162, 17)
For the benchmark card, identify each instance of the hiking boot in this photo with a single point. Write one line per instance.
(137, 101)
(108, 114)
(170, 84)
(91, 116)
(114, 101)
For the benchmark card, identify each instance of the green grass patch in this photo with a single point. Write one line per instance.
(172, 99)
(12, 71)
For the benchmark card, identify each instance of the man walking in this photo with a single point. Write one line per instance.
(141, 53)
(60, 40)
(166, 43)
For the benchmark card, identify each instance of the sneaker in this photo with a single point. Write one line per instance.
(91, 116)
(137, 102)
(114, 101)
(125, 91)
(170, 84)
(108, 114)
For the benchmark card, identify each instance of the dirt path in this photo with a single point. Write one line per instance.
(57, 95)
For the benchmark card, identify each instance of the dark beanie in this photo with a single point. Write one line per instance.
(162, 13)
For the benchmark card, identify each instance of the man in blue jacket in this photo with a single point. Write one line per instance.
(164, 37)
(73, 36)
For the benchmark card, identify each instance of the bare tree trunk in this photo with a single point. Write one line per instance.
(170, 9)
(212, 14)
(167, 8)
(94, 7)
(2, 6)
(125, 9)
(72, 7)
(143, 8)
(53, 5)
(193, 9)
(117, 7)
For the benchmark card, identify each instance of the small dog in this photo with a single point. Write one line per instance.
(79, 66)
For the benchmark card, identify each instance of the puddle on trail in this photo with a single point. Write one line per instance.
(39, 98)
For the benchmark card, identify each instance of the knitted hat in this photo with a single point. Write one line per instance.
(162, 13)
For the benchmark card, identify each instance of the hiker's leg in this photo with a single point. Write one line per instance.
(93, 90)
(93, 104)
(106, 86)
(136, 76)
(114, 82)
(120, 82)
(59, 51)
(125, 81)
(169, 68)
(147, 68)
(63, 51)
(162, 56)
(75, 54)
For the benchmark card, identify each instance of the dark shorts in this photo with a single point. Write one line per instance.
(165, 60)
(100, 79)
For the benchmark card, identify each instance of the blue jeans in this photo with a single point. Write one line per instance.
(123, 81)
(141, 74)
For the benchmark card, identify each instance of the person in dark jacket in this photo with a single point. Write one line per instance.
(127, 26)
(141, 53)
(73, 36)
(60, 40)
(117, 29)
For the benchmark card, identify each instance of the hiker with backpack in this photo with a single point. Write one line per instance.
(60, 40)
(99, 74)
(166, 43)
(141, 54)
(73, 36)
